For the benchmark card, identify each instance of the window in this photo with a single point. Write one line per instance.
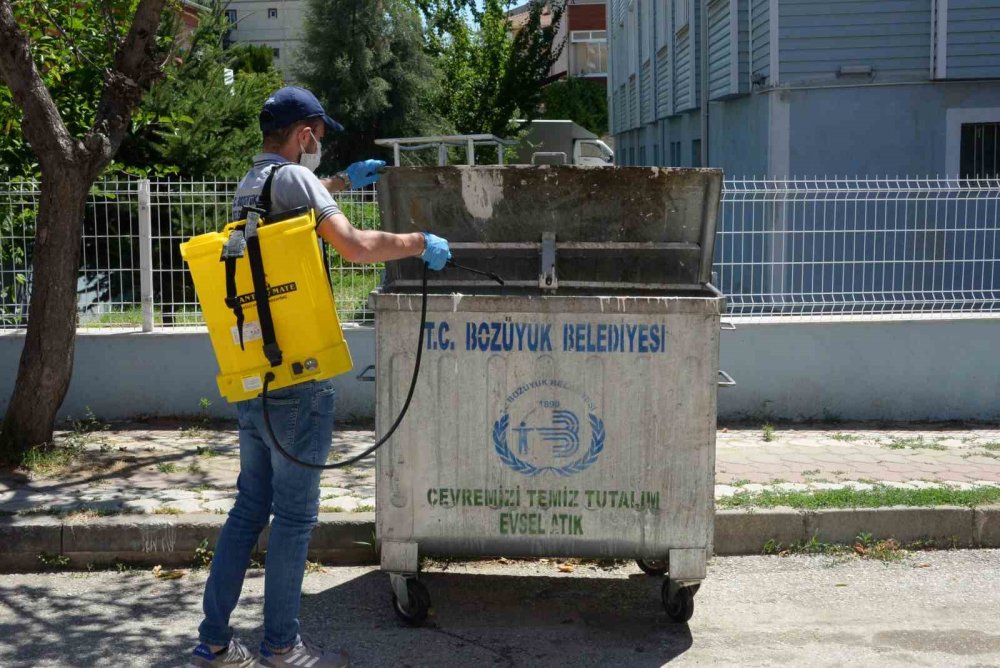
(675, 154)
(589, 53)
(696, 153)
(656, 154)
(272, 12)
(980, 158)
(231, 16)
(276, 52)
(642, 154)
(680, 14)
(589, 149)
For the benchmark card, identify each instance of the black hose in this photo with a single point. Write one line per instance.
(268, 377)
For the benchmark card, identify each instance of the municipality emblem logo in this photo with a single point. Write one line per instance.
(548, 426)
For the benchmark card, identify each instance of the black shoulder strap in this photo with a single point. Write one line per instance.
(271, 349)
(246, 238)
(264, 199)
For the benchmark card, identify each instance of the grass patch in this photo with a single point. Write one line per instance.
(57, 457)
(365, 508)
(167, 510)
(743, 482)
(166, 467)
(53, 561)
(767, 432)
(86, 513)
(203, 555)
(207, 452)
(864, 547)
(912, 443)
(53, 458)
(878, 496)
(313, 567)
(331, 509)
(811, 546)
(992, 446)
(846, 438)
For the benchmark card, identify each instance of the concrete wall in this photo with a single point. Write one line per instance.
(122, 375)
(891, 370)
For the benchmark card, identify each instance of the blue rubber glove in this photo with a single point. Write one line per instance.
(436, 252)
(364, 173)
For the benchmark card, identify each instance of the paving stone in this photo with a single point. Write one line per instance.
(921, 484)
(141, 505)
(184, 505)
(345, 503)
(174, 495)
(223, 505)
(791, 487)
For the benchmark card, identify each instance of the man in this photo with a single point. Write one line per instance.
(293, 123)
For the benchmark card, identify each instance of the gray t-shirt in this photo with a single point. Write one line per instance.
(293, 186)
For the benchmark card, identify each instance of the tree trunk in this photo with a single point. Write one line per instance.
(47, 358)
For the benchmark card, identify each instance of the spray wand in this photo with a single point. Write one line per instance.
(269, 378)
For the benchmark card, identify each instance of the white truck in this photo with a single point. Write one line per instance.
(563, 143)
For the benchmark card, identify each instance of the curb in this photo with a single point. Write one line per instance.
(347, 538)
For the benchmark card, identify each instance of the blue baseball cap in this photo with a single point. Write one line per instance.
(291, 104)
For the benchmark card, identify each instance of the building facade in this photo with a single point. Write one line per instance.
(583, 32)
(807, 87)
(275, 23)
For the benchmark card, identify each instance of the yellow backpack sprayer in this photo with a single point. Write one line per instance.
(266, 297)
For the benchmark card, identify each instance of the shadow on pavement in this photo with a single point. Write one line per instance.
(503, 620)
(478, 620)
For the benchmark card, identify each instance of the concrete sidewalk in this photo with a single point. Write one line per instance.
(191, 467)
(153, 494)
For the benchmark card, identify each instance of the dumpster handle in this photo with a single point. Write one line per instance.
(727, 380)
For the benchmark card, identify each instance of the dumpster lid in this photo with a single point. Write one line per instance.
(557, 228)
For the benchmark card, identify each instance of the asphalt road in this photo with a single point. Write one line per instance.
(931, 609)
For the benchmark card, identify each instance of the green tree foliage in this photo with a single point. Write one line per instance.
(580, 100)
(73, 47)
(245, 57)
(365, 60)
(490, 77)
(192, 123)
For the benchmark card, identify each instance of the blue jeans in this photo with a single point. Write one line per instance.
(302, 419)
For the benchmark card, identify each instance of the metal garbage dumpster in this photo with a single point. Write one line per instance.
(571, 412)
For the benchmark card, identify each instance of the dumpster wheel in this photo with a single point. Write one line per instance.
(652, 566)
(420, 603)
(680, 606)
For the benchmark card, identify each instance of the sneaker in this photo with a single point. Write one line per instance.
(303, 655)
(235, 655)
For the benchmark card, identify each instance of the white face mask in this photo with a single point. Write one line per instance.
(311, 160)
